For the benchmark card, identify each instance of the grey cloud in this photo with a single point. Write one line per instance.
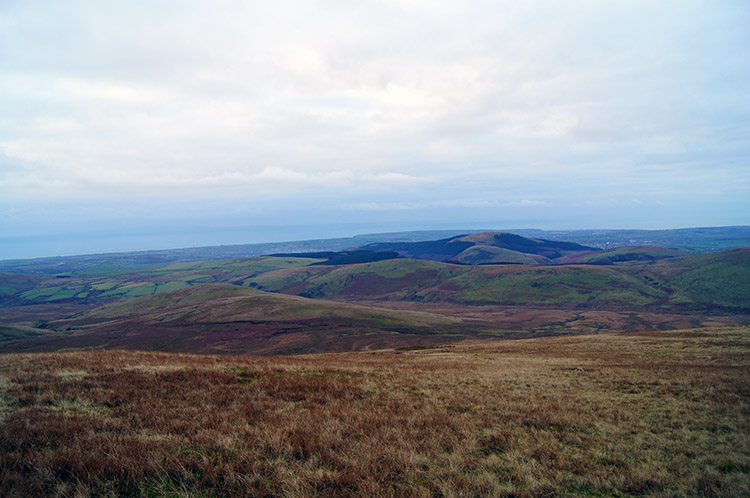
(404, 103)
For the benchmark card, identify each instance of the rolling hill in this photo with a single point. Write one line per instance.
(622, 255)
(694, 240)
(104, 284)
(484, 248)
(429, 281)
(223, 318)
(284, 303)
(701, 282)
(719, 278)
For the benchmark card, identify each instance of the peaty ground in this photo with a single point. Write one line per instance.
(654, 414)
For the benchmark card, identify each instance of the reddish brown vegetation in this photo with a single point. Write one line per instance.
(232, 319)
(662, 414)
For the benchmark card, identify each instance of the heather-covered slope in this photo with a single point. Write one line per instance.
(233, 319)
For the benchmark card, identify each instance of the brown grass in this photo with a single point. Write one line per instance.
(653, 414)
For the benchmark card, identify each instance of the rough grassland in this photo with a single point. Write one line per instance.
(652, 414)
(587, 286)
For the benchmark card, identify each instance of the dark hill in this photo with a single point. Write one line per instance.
(342, 257)
(484, 248)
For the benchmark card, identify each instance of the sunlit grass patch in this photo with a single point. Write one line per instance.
(70, 374)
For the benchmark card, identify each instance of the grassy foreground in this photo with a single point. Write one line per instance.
(655, 414)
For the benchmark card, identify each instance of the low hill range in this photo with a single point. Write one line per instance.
(705, 282)
(398, 294)
(484, 248)
(497, 248)
(690, 240)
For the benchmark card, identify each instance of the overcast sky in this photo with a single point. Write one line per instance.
(156, 117)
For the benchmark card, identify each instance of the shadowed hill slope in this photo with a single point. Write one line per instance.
(233, 319)
(484, 248)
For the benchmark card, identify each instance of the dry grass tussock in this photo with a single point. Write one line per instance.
(659, 414)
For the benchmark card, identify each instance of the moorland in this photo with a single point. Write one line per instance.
(646, 414)
(482, 364)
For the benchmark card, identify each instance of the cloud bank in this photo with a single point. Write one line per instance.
(486, 112)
